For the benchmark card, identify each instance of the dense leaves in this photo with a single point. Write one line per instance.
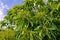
(33, 20)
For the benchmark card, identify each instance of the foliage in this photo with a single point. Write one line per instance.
(34, 20)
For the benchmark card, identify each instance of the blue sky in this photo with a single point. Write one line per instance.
(5, 5)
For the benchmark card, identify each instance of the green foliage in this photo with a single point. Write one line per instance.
(34, 20)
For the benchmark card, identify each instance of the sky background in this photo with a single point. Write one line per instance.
(5, 5)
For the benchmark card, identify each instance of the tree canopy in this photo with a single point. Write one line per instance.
(34, 20)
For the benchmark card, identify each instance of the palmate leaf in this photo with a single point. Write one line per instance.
(53, 27)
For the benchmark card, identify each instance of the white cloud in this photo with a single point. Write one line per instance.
(1, 15)
(2, 7)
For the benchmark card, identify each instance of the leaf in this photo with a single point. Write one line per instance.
(31, 36)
